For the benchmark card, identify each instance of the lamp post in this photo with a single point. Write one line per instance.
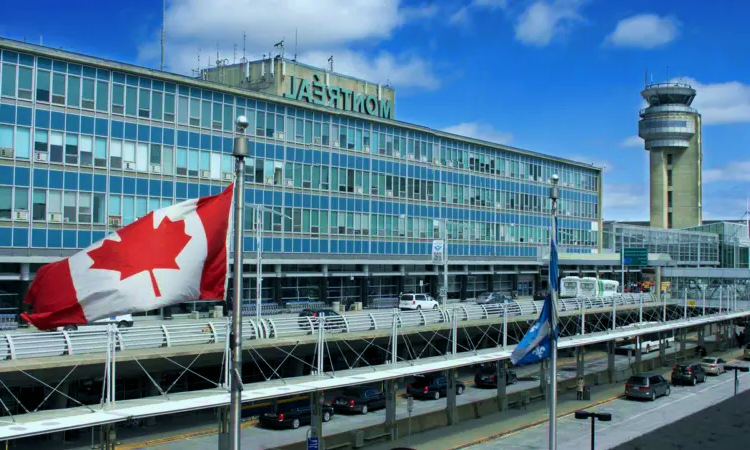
(239, 152)
(736, 370)
(444, 296)
(554, 195)
(603, 417)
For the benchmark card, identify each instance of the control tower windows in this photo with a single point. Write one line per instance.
(669, 219)
(669, 159)
(669, 177)
(669, 199)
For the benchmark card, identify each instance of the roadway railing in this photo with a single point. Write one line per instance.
(87, 341)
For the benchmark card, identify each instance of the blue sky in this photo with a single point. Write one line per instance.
(555, 76)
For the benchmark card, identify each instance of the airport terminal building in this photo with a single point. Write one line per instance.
(89, 145)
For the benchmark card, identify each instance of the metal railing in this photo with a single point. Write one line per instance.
(94, 340)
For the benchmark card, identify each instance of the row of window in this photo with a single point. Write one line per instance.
(60, 83)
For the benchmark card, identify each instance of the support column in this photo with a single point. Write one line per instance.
(277, 293)
(514, 281)
(491, 282)
(390, 409)
(316, 425)
(464, 286)
(222, 419)
(580, 361)
(543, 377)
(502, 398)
(25, 283)
(451, 398)
(323, 287)
(108, 438)
(537, 283)
(59, 401)
(638, 359)
(611, 361)
(363, 291)
(701, 335)
(683, 335)
(434, 286)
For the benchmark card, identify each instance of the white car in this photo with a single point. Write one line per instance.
(124, 321)
(714, 366)
(416, 301)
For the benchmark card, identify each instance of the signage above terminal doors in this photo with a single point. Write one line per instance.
(318, 93)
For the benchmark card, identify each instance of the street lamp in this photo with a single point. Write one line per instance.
(603, 417)
(259, 209)
(736, 370)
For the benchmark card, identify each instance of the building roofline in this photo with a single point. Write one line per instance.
(80, 58)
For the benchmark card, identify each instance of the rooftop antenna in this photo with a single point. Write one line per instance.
(295, 45)
(163, 20)
(234, 60)
(330, 63)
(280, 45)
(645, 78)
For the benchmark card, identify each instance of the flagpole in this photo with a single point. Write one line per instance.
(553, 195)
(239, 152)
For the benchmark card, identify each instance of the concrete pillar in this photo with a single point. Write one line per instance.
(450, 395)
(662, 349)
(611, 361)
(222, 422)
(363, 288)
(323, 286)
(637, 368)
(490, 282)
(537, 282)
(277, 292)
(514, 281)
(316, 425)
(59, 401)
(434, 285)
(294, 368)
(390, 409)
(502, 398)
(683, 336)
(25, 283)
(464, 286)
(580, 361)
(108, 438)
(701, 336)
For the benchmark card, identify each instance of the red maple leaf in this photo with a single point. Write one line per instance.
(142, 248)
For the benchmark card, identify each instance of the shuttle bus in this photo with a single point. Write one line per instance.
(648, 342)
(571, 287)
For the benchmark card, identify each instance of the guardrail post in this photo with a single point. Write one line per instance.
(640, 309)
(611, 361)
(108, 437)
(11, 346)
(451, 398)
(454, 334)
(614, 313)
(394, 343)
(505, 325)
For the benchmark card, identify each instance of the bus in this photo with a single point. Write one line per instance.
(649, 342)
(590, 287)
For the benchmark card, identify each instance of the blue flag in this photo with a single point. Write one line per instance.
(535, 345)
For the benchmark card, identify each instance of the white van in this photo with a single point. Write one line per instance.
(124, 321)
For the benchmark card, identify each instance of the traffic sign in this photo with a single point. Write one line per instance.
(438, 251)
(635, 256)
(312, 443)
(410, 403)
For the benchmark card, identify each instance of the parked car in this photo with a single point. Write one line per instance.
(647, 385)
(359, 399)
(416, 301)
(485, 377)
(293, 418)
(713, 365)
(432, 386)
(333, 320)
(691, 373)
(540, 295)
(123, 321)
(490, 298)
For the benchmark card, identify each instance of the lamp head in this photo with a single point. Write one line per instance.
(242, 124)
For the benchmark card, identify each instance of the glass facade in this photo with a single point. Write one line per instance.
(87, 146)
(686, 248)
(734, 243)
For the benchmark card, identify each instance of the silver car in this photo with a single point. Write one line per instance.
(487, 298)
(713, 366)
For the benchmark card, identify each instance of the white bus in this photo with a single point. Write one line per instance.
(571, 287)
(648, 342)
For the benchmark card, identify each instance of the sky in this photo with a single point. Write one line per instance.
(561, 77)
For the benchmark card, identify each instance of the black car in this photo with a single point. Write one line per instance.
(485, 377)
(540, 295)
(691, 374)
(293, 418)
(432, 386)
(333, 320)
(359, 399)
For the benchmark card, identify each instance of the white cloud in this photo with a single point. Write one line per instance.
(737, 171)
(632, 141)
(462, 16)
(490, 4)
(626, 201)
(718, 103)
(644, 31)
(543, 20)
(482, 131)
(331, 25)
(397, 70)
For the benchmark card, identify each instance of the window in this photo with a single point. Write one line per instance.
(21, 199)
(141, 158)
(40, 141)
(58, 88)
(69, 207)
(86, 148)
(128, 209)
(144, 103)
(42, 85)
(669, 177)
(115, 154)
(168, 163)
(193, 163)
(24, 83)
(99, 208)
(84, 207)
(128, 154)
(182, 110)
(40, 205)
(157, 105)
(118, 99)
(169, 107)
(56, 147)
(141, 207)
(669, 199)
(669, 159)
(6, 136)
(181, 161)
(102, 96)
(206, 114)
(205, 162)
(100, 152)
(55, 202)
(87, 95)
(215, 166)
(114, 205)
(74, 91)
(71, 149)
(8, 88)
(155, 155)
(131, 101)
(669, 220)
(6, 202)
(195, 112)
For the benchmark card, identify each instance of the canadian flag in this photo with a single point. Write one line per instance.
(174, 254)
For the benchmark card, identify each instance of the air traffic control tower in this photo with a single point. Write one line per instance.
(671, 130)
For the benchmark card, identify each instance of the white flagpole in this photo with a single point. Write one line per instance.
(239, 152)
(553, 195)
